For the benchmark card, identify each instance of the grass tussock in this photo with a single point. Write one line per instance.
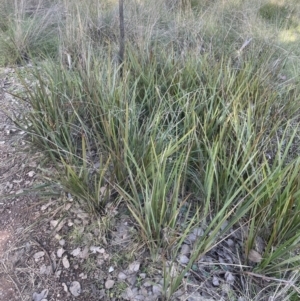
(200, 130)
(28, 28)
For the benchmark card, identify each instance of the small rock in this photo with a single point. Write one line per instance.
(109, 284)
(83, 276)
(131, 279)
(229, 278)
(31, 174)
(44, 207)
(76, 252)
(183, 259)
(129, 293)
(143, 291)
(47, 270)
(62, 242)
(191, 237)
(226, 288)
(215, 281)
(65, 287)
(198, 231)
(95, 250)
(230, 242)
(60, 252)
(41, 296)
(156, 289)
(134, 266)
(65, 262)
(57, 224)
(122, 276)
(185, 249)
(147, 284)
(75, 288)
(111, 269)
(57, 274)
(68, 206)
(254, 256)
(57, 236)
(84, 253)
(38, 255)
(28, 247)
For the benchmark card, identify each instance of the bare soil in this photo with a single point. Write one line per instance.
(18, 173)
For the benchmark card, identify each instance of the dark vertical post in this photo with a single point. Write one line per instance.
(122, 36)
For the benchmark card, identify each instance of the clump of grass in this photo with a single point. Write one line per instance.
(275, 13)
(28, 31)
(154, 194)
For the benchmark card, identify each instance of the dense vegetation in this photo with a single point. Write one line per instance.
(200, 129)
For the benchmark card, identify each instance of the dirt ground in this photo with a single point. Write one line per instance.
(18, 172)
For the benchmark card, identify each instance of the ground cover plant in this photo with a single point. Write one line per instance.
(198, 137)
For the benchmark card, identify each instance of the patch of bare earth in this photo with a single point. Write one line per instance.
(17, 173)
